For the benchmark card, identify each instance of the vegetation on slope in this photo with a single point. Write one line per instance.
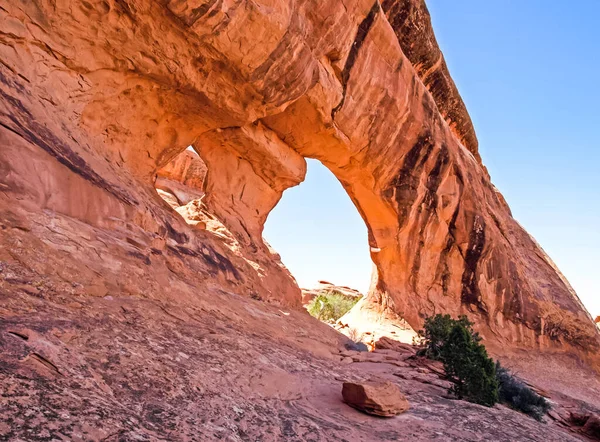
(517, 395)
(474, 374)
(329, 306)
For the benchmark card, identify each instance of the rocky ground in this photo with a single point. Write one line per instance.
(216, 367)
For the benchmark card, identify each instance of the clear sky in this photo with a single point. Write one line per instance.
(529, 73)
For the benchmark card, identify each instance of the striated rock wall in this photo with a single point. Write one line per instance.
(99, 95)
(186, 168)
(412, 26)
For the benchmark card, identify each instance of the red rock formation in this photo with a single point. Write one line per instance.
(412, 25)
(97, 96)
(183, 178)
(186, 168)
(592, 427)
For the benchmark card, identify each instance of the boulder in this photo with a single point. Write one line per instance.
(356, 346)
(377, 398)
(390, 344)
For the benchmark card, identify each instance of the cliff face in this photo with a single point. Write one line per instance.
(99, 95)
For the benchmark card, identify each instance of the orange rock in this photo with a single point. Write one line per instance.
(256, 87)
(379, 399)
(186, 168)
(386, 343)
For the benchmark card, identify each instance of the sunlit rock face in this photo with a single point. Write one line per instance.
(182, 179)
(98, 96)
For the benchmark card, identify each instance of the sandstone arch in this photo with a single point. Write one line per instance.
(98, 95)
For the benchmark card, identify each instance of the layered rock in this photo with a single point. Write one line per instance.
(98, 96)
(183, 179)
(412, 25)
(186, 168)
(248, 170)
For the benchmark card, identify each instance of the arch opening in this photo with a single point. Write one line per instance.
(316, 220)
(319, 234)
(181, 183)
(324, 241)
(182, 179)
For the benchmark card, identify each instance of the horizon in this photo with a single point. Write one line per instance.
(538, 146)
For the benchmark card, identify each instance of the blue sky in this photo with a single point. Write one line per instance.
(527, 71)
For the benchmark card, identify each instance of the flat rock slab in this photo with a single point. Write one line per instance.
(377, 398)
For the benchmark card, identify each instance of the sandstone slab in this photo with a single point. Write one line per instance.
(379, 399)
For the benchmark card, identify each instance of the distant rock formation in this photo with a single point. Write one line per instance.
(327, 287)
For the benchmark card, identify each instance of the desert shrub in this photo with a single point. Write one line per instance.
(516, 394)
(354, 334)
(436, 331)
(468, 365)
(465, 359)
(330, 306)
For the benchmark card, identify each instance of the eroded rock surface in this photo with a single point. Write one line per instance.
(209, 368)
(592, 427)
(181, 180)
(98, 96)
(412, 26)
